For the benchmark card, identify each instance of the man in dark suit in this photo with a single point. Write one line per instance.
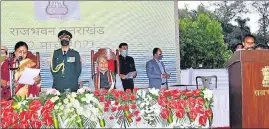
(127, 65)
(156, 71)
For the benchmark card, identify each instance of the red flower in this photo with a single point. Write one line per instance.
(202, 120)
(36, 124)
(45, 112)
(125, 97)
(33, 116)
(116, 103)
(162, 101)
(128, 91)
(191, 102)
(104, 92)
(171, 104)
(113, 109)
(200, 101)
(24, 124)
(116, 95)
(193, 114)
(121, 92)
(111, 117)
(136, 113)
(175, 93)
(126, 107)
(199, 109)
(47, 121)
(135, 90)
(35, 105)
(181, 103)
(130, 116)
(113, 91)
(108, 102)
(167, 93)
(165, 113)
(5, 112)
(6, 122)
(119, 108)
(132, 97)
(208, 113)
(17, 126)
(7, 104)
(48, 105)
(162, 91)
(101, 98)
(138, 119)
(96, 92)
(188, 93)
(24, 116)
(196, 92)
(14, 118)
(106, 109)
(121, 117)
(180, 113)
(133, 106)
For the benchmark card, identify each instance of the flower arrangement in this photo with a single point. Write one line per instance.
(94, 109)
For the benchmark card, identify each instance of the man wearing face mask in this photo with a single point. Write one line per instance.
(127, 65)
(3, 54)
(156, 71)
(65, 65)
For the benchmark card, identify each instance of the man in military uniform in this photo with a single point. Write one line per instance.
(65, 65)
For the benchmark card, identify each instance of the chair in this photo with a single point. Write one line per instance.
(113, 59)
(206, 80)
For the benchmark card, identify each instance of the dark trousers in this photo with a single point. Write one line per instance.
(128, 84)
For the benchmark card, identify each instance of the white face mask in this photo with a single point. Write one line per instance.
(239, 49)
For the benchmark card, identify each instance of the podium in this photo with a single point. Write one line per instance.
(249, 89)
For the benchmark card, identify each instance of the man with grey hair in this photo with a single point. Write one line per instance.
(104, 78)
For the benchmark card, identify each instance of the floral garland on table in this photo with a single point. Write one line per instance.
(86, 109)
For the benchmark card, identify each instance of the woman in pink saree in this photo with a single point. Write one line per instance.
(28, 61)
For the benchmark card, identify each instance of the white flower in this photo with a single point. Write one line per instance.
(69, 96)
(142, 105)
(76, 104)
(74, 94)
(19, 104)
(154, 91)
(69, 105)
(87, 88)
(83, 99)
(61, 107)
(54, 99)
(56, 107)
(208, 94)
(81, 90)
(52, 91)
(66, 101)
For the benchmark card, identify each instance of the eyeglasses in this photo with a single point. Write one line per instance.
(22, 52)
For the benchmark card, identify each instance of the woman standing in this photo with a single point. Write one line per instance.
(27, 61)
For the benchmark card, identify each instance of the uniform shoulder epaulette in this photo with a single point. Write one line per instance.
(73, 50)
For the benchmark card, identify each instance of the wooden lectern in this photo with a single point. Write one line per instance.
(249, 89)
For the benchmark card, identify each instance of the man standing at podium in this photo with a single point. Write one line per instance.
(249, 41)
